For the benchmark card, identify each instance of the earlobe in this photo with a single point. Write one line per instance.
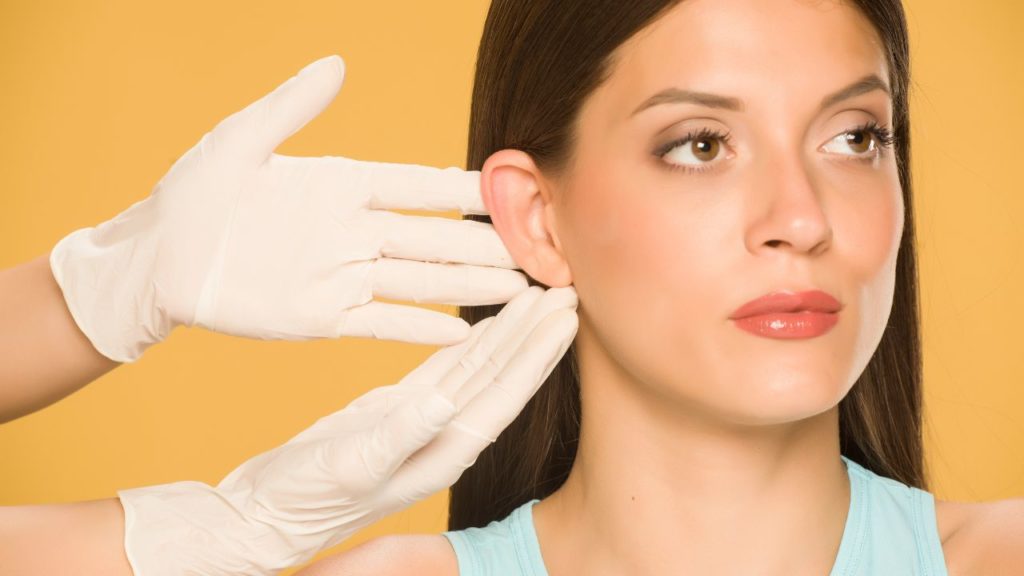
(511, 187)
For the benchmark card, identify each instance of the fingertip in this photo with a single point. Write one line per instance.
(505, 284)
(431, 327)
(476, 330)
(519, 280)
(338, 64)
(333, 63)
(320, 81)
(454, 332)
(565, 295)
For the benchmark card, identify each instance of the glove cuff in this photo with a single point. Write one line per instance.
(190, 528)
(104, 274)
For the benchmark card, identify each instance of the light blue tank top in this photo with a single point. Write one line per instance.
(890, 529)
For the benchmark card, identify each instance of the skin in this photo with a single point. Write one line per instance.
(44, 355)
(733, 439)
(73, 538)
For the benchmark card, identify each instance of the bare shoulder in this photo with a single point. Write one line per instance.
(982, 537)
(392, 555)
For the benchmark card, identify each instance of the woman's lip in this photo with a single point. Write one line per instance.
(786, 302)
(788, 325)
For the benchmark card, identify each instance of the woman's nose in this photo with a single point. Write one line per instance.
(789, 210)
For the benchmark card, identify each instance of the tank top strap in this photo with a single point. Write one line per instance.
(932, 556)
(502, 548)
(890, 528)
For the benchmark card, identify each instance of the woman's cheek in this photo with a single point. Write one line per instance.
(867, 232)
(867, 227)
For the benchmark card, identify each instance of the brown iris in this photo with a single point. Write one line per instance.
(705, 149)
(859, 138)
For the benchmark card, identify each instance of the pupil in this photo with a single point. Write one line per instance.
(858, 138)
(705, 149)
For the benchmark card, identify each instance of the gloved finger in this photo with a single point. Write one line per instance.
(498, 404)
(438, 239)
(254, 132)
(459, 284)
(451, 381)
(439, 463)
(430, 372)
(401, 323)
(395, 186)
(371, 405)
(519, 317)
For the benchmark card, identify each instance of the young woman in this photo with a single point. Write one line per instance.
(726, 185)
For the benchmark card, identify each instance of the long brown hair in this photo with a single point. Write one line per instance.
(537, 62)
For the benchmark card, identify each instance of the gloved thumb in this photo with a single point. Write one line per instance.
(255, 131)
(409, 426)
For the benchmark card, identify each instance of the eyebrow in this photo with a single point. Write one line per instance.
(677, 95)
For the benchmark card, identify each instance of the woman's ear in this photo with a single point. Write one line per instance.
(519, 202)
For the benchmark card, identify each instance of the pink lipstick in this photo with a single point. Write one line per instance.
(789, 315)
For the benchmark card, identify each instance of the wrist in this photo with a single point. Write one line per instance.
(105, 275)
(190, 528)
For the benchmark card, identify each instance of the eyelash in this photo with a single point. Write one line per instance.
(882, 134)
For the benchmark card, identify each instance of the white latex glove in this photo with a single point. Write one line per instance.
(243, 241)
(389, 448)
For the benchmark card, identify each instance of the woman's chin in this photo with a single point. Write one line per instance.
(778, 398)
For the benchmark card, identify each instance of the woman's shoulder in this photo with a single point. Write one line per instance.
(391, 555)
(982, 537)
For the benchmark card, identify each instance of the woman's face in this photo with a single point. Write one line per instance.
(662, 250)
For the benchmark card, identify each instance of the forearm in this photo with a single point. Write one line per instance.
(44, 356)
(78, 538)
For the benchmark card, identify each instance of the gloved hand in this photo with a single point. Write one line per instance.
(243, 241)
(391, 447)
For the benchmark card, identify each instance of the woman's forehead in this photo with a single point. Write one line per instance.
(758, 51)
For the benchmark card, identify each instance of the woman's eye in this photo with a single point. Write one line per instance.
(695, 151)
(867, 141)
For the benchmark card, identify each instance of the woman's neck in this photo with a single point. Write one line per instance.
(661, 488)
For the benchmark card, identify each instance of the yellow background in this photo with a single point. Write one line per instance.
(100, 98)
